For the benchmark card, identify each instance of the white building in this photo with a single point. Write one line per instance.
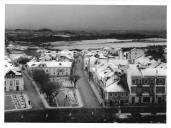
(146, 85)
(13, 77)
(55, 69)
(107, 76)
(134, 54)
(13, 80)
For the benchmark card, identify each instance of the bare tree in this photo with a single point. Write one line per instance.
(74, 79)
(51, 89)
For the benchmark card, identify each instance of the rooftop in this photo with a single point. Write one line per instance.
(114, 87)
(49, 64)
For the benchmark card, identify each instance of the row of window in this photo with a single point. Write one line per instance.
(13, 82)
(111, 94)
(160, 89)
(141, 90)
(148, 99)
(57, 70)
(12, 76)
(58, 73)
(147, 90)
(148, 81)
(144, 100)
(118, 102)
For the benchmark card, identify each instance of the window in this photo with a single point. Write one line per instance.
(146, 99)
(160, 89)
(17, 82)
(138, 81)
(133, 89)
(133, 100)
(11, 76)
(122, 94)
(145, 89)
(110, 94)
(123, 101)
(152, 81)
(5, 82)
(160, 81)
(11, 82)
(139, 90)
(145, 81)
(133, 82)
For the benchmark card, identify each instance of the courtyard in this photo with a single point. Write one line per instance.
(15, 102)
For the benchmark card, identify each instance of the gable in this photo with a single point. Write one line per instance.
(10, 74)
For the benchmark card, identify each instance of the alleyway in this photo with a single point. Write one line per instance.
(86, 92)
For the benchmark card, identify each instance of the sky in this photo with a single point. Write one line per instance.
(85, 17)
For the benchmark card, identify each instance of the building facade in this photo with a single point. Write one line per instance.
(147, 87)
(134, 54)
(13, 81)
(56, 70)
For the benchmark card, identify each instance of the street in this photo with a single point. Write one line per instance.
(36, 101)
(88, 96)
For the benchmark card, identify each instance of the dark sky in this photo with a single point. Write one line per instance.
(85, 17)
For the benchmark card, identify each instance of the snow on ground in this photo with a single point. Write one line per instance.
(100, 43)
(114, 45)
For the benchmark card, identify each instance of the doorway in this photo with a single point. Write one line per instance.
(17, 88)
(133, 100)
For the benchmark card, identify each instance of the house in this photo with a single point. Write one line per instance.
(115, 94)
(134, 54)
(13, 80)
(56, 70)
(64, 55)
(107, 79)
(142, 84)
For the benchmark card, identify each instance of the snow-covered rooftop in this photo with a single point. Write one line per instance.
(114, 87)
(49, 64)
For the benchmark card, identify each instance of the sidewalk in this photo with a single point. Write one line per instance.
(79, 99)
(95, 90)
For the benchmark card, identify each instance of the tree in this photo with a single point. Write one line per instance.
(74, 79)
(41, 77)
(51, 89)
(23, 60)
(157, 52)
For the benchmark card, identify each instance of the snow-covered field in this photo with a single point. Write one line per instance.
(100, 43)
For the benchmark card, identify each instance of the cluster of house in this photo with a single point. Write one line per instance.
(57, 64)
(11, 46)
(126, 77)
(13, 80)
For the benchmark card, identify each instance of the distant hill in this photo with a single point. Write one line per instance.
(44, 30)
(48, 35)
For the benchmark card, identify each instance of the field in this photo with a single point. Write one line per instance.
(9, 103)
